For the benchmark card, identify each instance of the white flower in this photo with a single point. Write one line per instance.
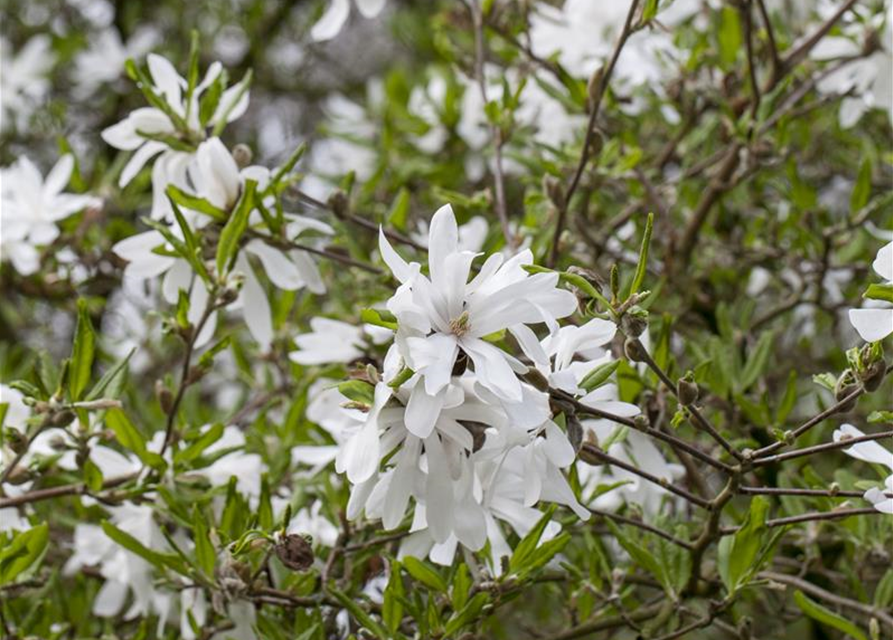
(871, 452)
(103, 61)
(30, 207)
(441, 316)
(246, 468)
(130, 134)
(875, 324)
(333, 341)
(332, 21)
(869, 79)
(23, 81)
(144, 263)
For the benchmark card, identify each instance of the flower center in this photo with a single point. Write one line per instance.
(460, 326)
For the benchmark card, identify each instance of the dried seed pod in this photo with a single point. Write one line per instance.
(295, 552)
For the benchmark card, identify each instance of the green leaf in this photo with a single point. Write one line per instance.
(194, 203)
(599, 376)
(399, 210)
(228, 246)
(198, 446)
(522, 557)
(286, 168)
(883, 594)
(827, 617)
(788, 400)
(467, 615)
(424, 574)
(746, 545)
(204, 550)
(642, 265)
(363, 618)
(757, 361)
(82, 353)
(394, 593)
(862, 187)
(729, 36)
(155, 558)
(461, 587)
(640, 554)
(879, 292)
(92, 476)
(358, 391)
(379, 318)
(22, 552)
(111, 378)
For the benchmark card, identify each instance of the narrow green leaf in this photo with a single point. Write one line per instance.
(111, 378)
(363, 618)
(392, 607)
(862, 187)
(228, 246)
(523, 554)
(82, 353)
(424, 574)
(22, 552)
(599, 376)
(204, 550)
(827, 617)
(642, 266)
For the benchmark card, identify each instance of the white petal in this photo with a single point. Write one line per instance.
(438, 491)
(332, 20)
(423, 410)
(59, 175)
(883, 263)
(256, 309)
(281, 271)
(398, 266)
(370, 8)
(872, 324)
(138, 160)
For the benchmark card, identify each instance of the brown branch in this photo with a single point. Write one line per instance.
(590, 129)
(49, 493)
(827, 446)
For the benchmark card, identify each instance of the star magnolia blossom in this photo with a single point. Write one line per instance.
(23, 80)
(31, 207)
(868, 78)
(445, 315)
(875, 324)
(171, 165)
(874, 453)
(333, 20)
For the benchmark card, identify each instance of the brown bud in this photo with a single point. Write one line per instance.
(633, 325)
(633, 350)
(873, 375)
(537, 379)
(165, 397)
(295, 552)
(846, 385)
(554, 190)
(61, 418)
(575, 432)
(687, 390)
(16, 440)
(338, 203)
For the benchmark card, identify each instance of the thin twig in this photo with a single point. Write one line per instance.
(827, 446)
(590, 129)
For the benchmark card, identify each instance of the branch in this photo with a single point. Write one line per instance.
(590, 128)
(78, 488)
(827, 446)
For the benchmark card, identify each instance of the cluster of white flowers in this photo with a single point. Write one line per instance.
(876, 322)
(452, 423)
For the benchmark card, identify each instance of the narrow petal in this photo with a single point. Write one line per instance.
(331, 22)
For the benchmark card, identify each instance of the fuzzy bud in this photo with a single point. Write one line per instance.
(575, 432)
(61, 418)
(641, 422)
(165, 397)
(338, 203)
(554, 190)
(634, 322)
(16, 440)
(873, 375)
(633, 350)
(295, 552)
(242, 155)
(687, 390)
(846, 385)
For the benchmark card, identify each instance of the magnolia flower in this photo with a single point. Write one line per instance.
(31, 207)
(872, 452)
(138, 130)
(332, 21)
(311, 522)
(145, 262)
(246, 468)
(333, 341)
(23, 79)
(103, 61)
(875, 324)
(445, 315)
(868, 78)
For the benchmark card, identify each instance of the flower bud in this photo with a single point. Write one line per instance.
(338, 203)
(15, 440)
(61, 418)
(242, 155)
(687, 390)
(575, 432)
(554, 190)
(634, 324)
(846, 385)
(165, 397)
(633, 350)
(873, 375)
(295, 552)
(641, 422)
